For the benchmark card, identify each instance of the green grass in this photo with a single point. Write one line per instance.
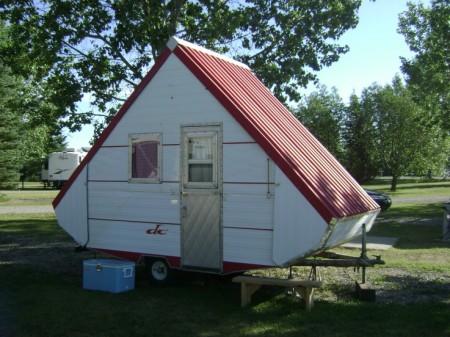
(33, 194)
(418, 249)
(3, 198)
(412, 187)
(403, 209)
(52, 306)
(36, 226)
(50, 303)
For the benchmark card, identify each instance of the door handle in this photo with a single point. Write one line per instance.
(183, 211)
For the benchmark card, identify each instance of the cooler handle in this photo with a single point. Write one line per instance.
(128, 272)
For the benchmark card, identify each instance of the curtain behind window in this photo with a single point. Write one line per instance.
(144, 159)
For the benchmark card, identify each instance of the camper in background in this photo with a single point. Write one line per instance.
(59, 166)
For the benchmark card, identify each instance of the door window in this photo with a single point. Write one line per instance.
(201, 159)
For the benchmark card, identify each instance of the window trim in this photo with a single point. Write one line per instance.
(156, 137)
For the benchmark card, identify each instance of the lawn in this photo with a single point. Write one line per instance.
(32, 195)
(410, 187)
(46, 298)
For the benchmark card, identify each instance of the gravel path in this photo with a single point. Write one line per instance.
(25, 209)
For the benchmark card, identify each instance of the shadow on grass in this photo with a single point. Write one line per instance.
(424, 289)
(46, 304)
(39, 226)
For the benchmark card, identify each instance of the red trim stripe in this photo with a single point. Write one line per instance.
(175, 261)
(247, 183)
(238, 143)
(135, 221)
(248, 228)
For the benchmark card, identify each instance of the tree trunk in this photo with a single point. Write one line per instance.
(394, 183)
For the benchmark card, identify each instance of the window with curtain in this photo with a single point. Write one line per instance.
(145, 158)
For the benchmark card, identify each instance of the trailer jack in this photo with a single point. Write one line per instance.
(364, 290)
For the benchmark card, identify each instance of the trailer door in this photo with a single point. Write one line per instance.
(201, 197)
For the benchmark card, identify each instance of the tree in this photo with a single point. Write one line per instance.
(427, 32)
(362, 158)
(10, 128)
(27, 133)
(405, 139)
(37, 143)
(322, 112)
(103, 48)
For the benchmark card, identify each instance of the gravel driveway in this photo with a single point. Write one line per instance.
(25, 209)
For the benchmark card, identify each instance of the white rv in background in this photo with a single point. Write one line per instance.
(60, 166)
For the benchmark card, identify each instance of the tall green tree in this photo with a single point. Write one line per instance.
(362, 156)
(103, 48)
(28, 134)
(11, 127)
(405, 138)
(322, 112)
(427, 32)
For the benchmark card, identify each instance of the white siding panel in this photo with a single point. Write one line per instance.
(248, 210)
(110, 163)
(134, 202)
(174, 97)
(72, 210)
(246, 163)
(298, 228)
(133, 237)
(248, 189)
(171, 163)
(247, 246)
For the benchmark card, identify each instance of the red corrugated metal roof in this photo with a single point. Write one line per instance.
(309, 166)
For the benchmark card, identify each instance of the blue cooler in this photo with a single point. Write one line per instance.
(108, 275)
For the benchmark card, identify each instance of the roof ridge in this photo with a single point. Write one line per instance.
(175, 41)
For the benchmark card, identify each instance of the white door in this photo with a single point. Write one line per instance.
(201, 197)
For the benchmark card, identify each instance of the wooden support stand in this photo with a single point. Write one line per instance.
(365, 291)
(250, 284)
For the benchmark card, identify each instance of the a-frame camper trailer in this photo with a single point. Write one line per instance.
(203, 168)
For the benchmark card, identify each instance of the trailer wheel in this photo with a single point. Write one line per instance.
(159, 272)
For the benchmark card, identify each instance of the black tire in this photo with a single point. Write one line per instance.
(159, 272)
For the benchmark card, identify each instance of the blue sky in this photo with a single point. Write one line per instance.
(375, 50)
(374, 56)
